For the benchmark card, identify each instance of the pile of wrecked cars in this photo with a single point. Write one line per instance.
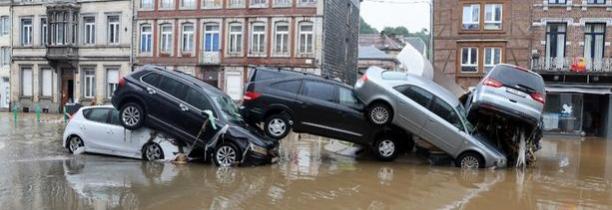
(164, 113)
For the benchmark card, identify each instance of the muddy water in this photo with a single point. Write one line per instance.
(36, 173)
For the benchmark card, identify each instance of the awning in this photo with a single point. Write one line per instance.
(598, 91)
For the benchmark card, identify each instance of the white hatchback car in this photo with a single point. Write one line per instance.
(98, 130)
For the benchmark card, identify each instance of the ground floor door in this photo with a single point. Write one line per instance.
(4, 92)
(576, 113)
(67, 87)
(234, 84)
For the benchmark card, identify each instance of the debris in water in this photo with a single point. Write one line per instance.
(79, 151)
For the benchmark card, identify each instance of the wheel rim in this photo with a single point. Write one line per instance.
(153, 152)
(75, 143)
(131, 116)
(470, 162)
(277, 127)
(379, 115)
(386, 148)
(226, 156)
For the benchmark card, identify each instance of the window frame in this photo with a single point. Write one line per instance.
(44, 28)
(26, 31)
(117, 29)
(481, 46)
(89, 78)
(303, 89)
(557, 2)
(86, 40)
(148, 6)
(212, 33)
(212, 4)
(501, 15)
(597, 2)
(187, 37)
(23, 83)
(471, 22)
(149, 36)
(165, 38)
(491, 56)
(309, 49)
(6, 25)
(42, 82)
(111, 87)
(235, 43)
(555, 34)
(476, 63)
(257, 45)
(170, 6)
(286, 39)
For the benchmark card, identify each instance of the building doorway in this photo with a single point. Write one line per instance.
(67, 87)
(594, 114)
(4, 92)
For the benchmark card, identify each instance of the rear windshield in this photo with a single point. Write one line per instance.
(514, 77)
(265, 74)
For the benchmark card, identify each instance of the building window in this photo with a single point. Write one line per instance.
(308, 1)
(557, 1)
(596, 1)
(236, 3)
(112, 81)
(187, 37)
(5, 25)
(46, 87)
(471, 17)
(167, 4)
(43, 31)
(145, 38)
(166, 38)
(113, 29)
(211, 4)
(89, 36)
(306, 38)
(555, 44)
(26, 82)
(211, 37)
(146, 4)
(594, 44)
(188, 4)
(235, 38)
(5, 56)
(281, 38)
(493, 17)
(282, 3)
(89, 83)
(492, 57)
(26, 32)
(258, 39)
(258, 3)
(469, 59)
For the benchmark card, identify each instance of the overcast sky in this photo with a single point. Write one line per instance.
(381, 13)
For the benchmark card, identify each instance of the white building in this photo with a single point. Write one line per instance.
(68, 51)
(5, 53)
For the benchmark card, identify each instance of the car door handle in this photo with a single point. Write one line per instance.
(151, 91)
(183, 107)
(513, 101)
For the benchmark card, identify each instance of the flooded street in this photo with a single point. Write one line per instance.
(37, 173)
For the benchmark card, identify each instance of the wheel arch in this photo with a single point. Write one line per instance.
(276, 109)
(66, 144)
(134, 99)
(144, 146)
(476, 152)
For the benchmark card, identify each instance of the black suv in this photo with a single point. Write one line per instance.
(285, 100)
(179, 104)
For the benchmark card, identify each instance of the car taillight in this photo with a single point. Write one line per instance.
(122, 82)
(492, 83)
(363, 78)
(251, 95)
(538, 97)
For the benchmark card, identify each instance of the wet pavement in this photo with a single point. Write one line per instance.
(37, 173)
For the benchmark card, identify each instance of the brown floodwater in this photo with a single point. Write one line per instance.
(37, 173)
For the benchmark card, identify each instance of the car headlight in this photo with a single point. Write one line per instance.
(258, 149)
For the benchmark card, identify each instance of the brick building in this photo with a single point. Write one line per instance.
(471, 36)
(218, 40)
(5, 54)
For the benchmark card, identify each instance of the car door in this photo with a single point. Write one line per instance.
(192, 116)
(166, 105)
(99, 133)
(283, 93)
(126, 144)
(444, 127)
(413, 102)
(351, 119)
(317, 110)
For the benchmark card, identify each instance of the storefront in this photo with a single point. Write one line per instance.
(577, 111)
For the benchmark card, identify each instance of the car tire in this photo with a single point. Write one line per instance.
(379, 114)
(227, 155)
(152, 151)
(132, 116)
(470, 160)
(386, 148)
(74, 143)
(277, 126)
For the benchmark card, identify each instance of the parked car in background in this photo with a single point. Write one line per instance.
(428, 111)
(180, 105)
(97, 129)
(312, 104)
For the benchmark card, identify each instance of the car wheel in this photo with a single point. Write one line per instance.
(75, 143)
(132, 116)
(227, 155)
(152, 152)
(469, 160)
(386, 148)
(380, 114)
(277, 126)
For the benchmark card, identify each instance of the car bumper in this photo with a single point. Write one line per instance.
(255, 159)
(489, 108)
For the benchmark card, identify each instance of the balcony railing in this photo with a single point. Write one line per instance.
(210, 58)
(588, 65)
(66, 52)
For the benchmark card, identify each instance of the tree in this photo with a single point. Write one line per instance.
(365, 28)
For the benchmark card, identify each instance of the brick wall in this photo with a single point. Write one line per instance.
(341, 29)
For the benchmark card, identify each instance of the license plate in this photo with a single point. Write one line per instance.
(515, 92)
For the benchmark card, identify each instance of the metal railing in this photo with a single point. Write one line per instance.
(567, 64)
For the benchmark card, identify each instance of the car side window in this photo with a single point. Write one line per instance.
(98, 115)
(173, 87)
(196, 99)
(114, 119)
(347, 97)
(151, 79)
(292, 86)
(319, 90)
(417, 94)
(446, 112)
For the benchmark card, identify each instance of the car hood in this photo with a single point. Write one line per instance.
(253, 135)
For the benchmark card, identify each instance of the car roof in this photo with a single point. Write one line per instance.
(188, 77)
(401, 78)
(299, 75)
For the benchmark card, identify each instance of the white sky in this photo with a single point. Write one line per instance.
(381, 13)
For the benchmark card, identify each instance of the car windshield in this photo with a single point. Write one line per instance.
(463, 116)
(228, 108)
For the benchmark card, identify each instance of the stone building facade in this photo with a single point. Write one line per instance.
(471, 36)
(68, 51)
(5, 54)
(217, 41)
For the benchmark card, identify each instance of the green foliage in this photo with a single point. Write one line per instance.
(365, 28)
